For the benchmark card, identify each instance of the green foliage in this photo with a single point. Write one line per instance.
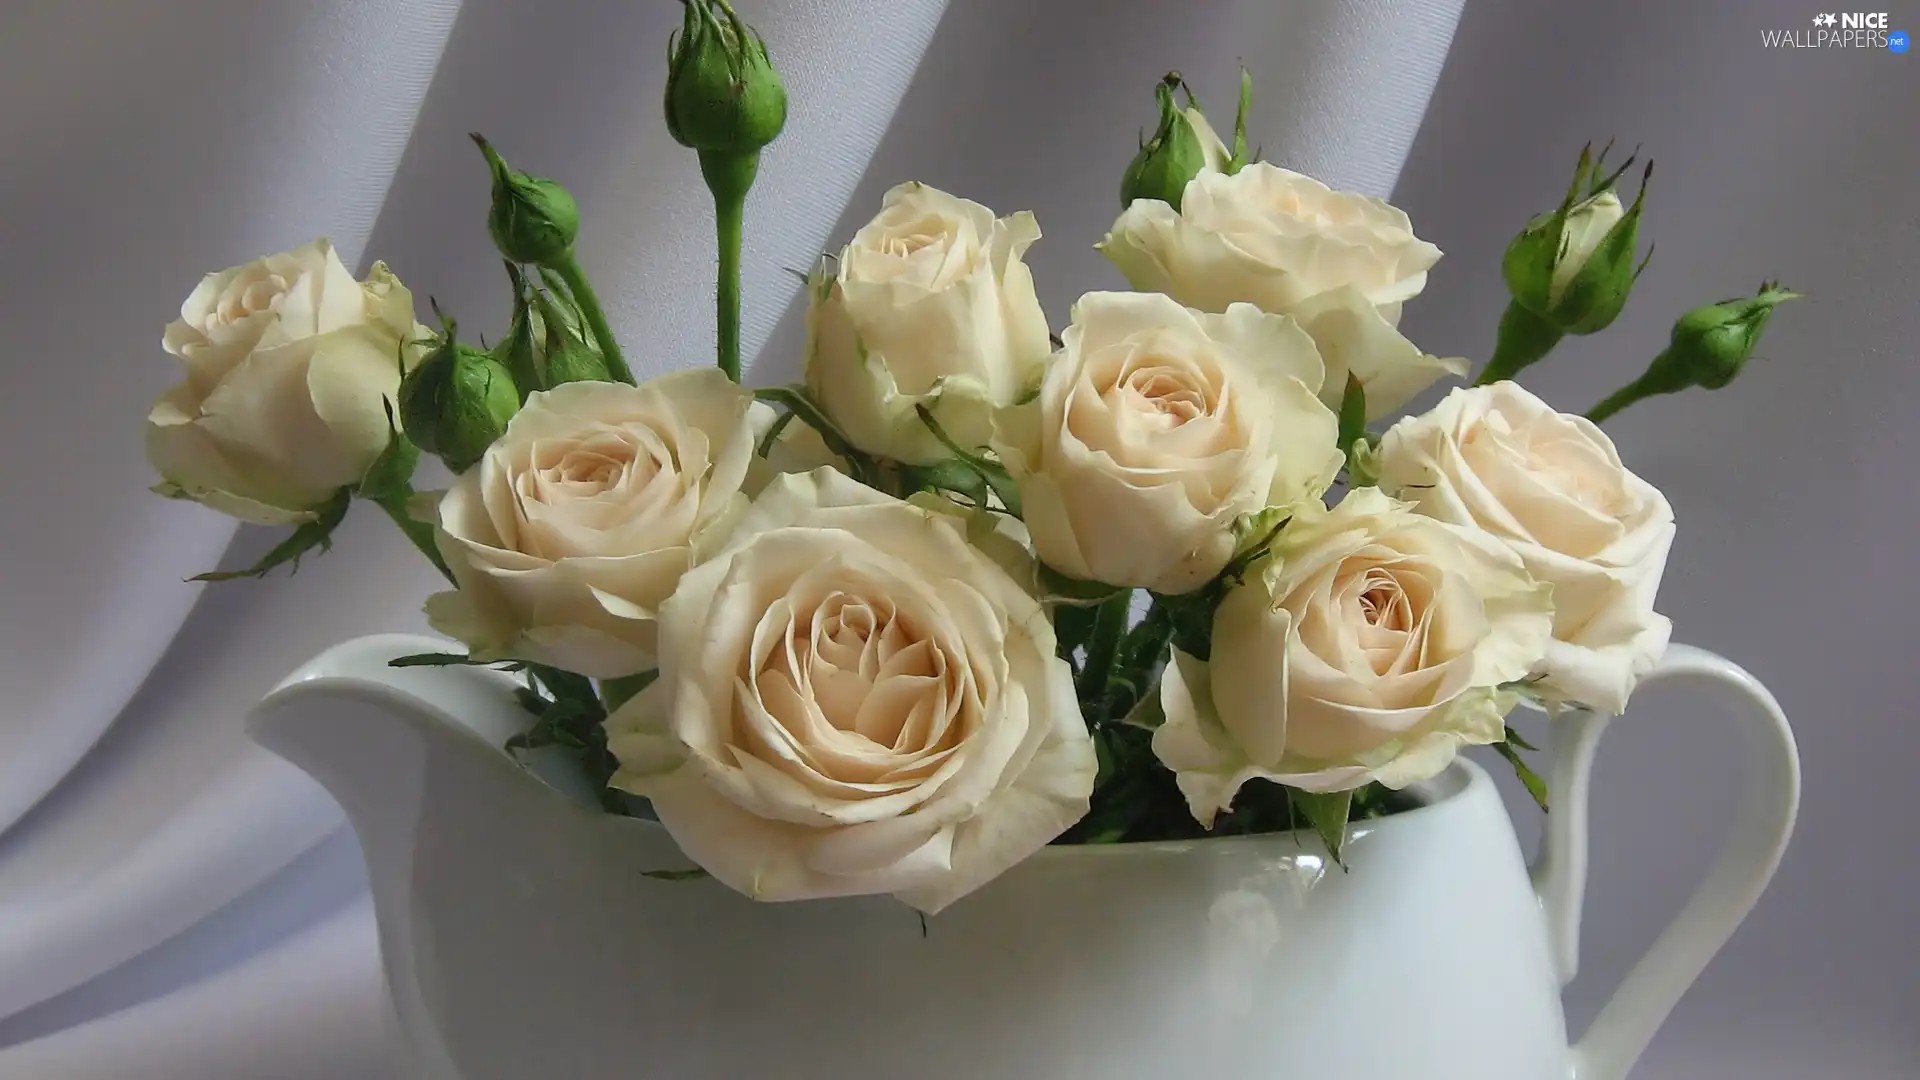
(976, 471)
(317, 533)
(1353, 413)
(1327, 813)
(794, 400)
(1509, 748)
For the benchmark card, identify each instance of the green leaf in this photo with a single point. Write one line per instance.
(794, 399)
(1066, 590)
(617, 692)
(1515, 738)
(1327, 813)
(565, 685)
(675, 875)
(317, 533)
(1529, 779)
(390, 477)
(1353, 412)
(1146, 714)
(1192, 616)
(1004, 488)
(991, 472)
(447, 659)
(1071, 625)
(957, 477)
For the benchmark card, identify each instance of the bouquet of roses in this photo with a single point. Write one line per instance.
(972, 587)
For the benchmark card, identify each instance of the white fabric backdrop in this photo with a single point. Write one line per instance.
(176, 903)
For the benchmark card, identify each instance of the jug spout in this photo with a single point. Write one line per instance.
(367, 731)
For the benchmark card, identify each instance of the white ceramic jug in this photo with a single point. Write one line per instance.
(523, 938)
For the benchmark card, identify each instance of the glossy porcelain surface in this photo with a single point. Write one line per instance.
(523, 937)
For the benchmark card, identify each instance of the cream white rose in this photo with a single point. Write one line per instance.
(1339, 262)
(1355, 337)
(1268, 237)
(930, 306)
(1552, 488)
(1156, 427)
(289, 365)
(1368, 648)
(853, 699)
(577, 524)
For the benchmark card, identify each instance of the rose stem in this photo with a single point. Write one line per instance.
(419, 532)
(1523, 339)
(1109, 624)
(729, 176)
(576, 279)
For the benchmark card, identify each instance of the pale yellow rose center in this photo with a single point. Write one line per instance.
(1556, 482)
(604, 492)
(1378, 610)
(862, 700)
(1149, 402)
(914, 248)
(260, 291)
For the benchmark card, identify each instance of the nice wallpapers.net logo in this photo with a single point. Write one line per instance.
(1841, 30)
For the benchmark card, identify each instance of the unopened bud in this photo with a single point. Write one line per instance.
(518, 351)
(1574, 267)
(1175, 154)
(565, 355)
(457, 402)
(1709, 345)
(533, 219)
(723, 96)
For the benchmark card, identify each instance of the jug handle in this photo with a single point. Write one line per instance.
(1747, 859)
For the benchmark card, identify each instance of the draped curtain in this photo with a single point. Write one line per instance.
(175, 902)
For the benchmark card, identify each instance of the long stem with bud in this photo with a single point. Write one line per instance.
(729, 176)
(583, 295)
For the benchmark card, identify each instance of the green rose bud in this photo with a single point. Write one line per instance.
(518, 352)
(1174, 155)
(457, 402)
(533, 219)
(565, 355)
(1709, 345)
(1573, 268)
(723, 96)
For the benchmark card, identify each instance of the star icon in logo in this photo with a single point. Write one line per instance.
(1824, 20)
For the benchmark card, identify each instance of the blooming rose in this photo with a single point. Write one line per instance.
(1355, 337)
(1552, 488)
(1158, 426)
(289, 365)
(1369, 647)
(1339, 262)
(930, 305)
(579, 521)
(853, 699)
(1268, 237)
